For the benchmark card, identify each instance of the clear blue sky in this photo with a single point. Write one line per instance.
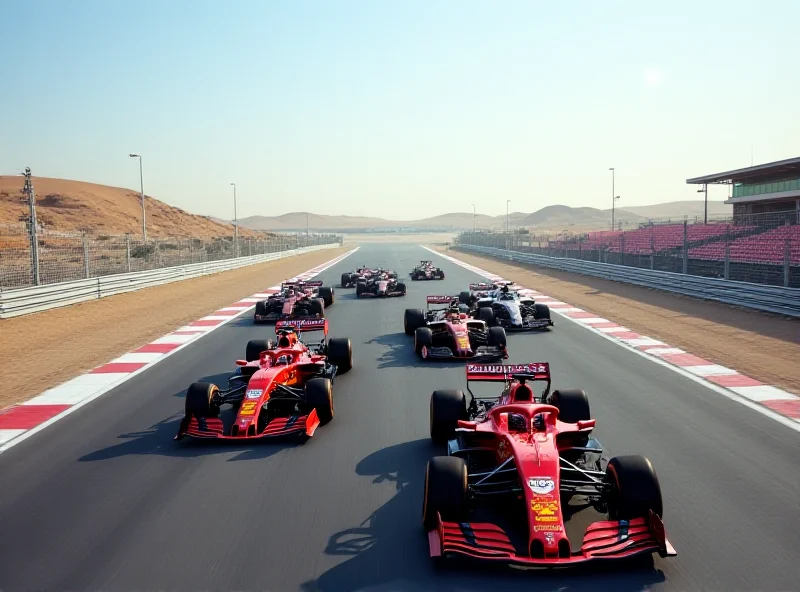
(397, 109)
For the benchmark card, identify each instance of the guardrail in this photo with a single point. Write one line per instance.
(38, 298)
(773, 299)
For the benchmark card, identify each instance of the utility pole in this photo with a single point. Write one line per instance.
(474, 226)
(508, 238)
(235, 224)
(705, 208)
(614, 196)
(141, 186)
(32, 224)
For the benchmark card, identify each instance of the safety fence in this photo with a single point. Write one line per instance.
(773, 299)
(733, 251)
(63, 256)
(38, 298)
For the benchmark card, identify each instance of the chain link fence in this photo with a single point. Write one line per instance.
(757, 249)
(64, 256)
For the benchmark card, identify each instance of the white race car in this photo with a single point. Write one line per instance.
(499, 305)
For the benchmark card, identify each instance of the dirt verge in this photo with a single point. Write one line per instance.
(763, 346)
(68, 341)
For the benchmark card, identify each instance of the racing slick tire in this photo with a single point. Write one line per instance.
(413, 319)
(634, 490)
(573, 405)
(261, 309)
(347, 280)
(486, 314)
(414, 276)
(464, 297)
(438, 274)
(317, 307)
(199, 400)
(497, 337)
(445, 490)
(361, 287)
(542, 311)
(319, 396)
(340, 353)
(423, 337)
(447, 407)
(255, 347)
(326, 293)
(401, 287)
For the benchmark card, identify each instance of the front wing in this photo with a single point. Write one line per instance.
(603, 541)
(388, 294)
(211, 428)
(527, 325)
(484, 352)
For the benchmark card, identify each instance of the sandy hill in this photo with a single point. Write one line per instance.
(74, 205)
(679, 209)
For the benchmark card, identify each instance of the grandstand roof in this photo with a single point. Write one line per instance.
(777, 169)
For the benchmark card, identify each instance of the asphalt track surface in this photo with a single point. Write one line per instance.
(106, 500)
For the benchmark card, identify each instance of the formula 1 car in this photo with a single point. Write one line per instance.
(380, 285)
(448, 333)
(281, 388)
(515, 461)
(296, 300)
(499, 305)
(351, 279)
(426, 271)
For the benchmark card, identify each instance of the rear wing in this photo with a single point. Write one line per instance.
(504, 372)
(313, 284)
(303, 326)
(482, 286)
(440, 300)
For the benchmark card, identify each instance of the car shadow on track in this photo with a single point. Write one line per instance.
(389, 550)
(159, 439)
(399, 353)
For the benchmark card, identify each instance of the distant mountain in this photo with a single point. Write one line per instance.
(679, 209)
(557, 216)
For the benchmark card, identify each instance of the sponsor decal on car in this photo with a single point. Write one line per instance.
(550, 538)
(254, 393)
(545, 511)
(541, 485)
(462, 341)
(547, 528)
(248, 408)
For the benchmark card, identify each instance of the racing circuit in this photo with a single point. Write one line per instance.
(105, 499)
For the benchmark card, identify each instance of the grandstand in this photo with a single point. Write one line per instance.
(760, 243)
(764, 192)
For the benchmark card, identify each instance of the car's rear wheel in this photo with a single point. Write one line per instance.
(340, 353)
(464, 297)
(497, 337)
(413, 319)
(634, 488)
(447, 407)
(319, 396)
(347, 281)
(423, 337)
(361, 287)
(261, 308)
(255, 347)
(317, 307)
(200, 400)
(542, 311)
(573, 405)
(326, 293)
(445, 491)
(486, 314)
(401, 287)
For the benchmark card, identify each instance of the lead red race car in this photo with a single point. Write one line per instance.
(282, 387)
(515, 467)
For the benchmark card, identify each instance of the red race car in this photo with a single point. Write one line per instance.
(515, 462)
(296, 300)
(281, 388)
(448, 333)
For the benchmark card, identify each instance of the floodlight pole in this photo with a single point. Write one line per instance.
(705, 207)
(235, 224)
(141, 187)
(474, 226)
(614, 196)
